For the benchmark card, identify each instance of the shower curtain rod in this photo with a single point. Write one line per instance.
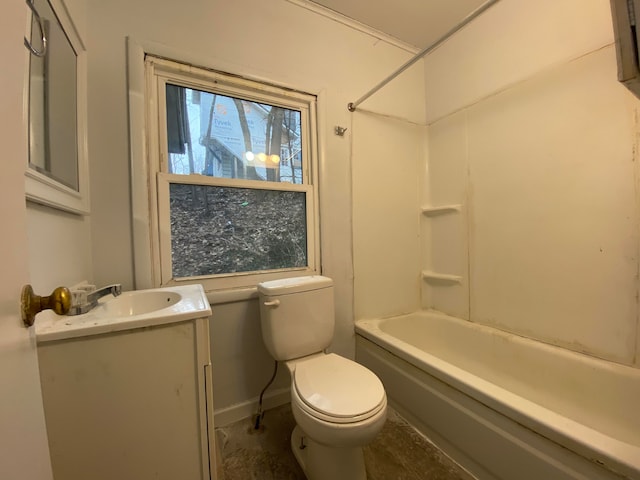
(478, 11)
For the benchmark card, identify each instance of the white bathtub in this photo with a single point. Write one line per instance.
(503, 406)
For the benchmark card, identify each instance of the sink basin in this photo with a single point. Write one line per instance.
(134, 309)
(137, 303)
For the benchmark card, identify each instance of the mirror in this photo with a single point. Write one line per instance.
(56, 171)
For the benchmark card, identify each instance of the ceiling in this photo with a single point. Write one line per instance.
(416, 22)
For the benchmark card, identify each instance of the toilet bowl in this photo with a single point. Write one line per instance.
(336, 401)
(339, 405)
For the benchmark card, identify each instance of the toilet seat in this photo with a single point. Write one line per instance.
(337, 390)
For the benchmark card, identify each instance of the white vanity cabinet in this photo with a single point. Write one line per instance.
(132, 404)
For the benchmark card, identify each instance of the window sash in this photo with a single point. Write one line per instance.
(164, 180)
(295, 102)
(302, 108)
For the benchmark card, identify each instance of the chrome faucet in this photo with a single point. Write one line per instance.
(91, 300)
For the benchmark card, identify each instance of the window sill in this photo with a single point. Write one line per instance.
(217, 297)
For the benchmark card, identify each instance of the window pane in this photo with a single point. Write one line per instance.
(218, 230)
(220, 136)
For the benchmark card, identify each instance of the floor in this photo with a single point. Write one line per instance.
(399, 452)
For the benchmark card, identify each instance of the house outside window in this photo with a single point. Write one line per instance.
(232, 178)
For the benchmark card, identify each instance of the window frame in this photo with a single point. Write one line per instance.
(158, 73)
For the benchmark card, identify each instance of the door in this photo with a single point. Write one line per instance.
(24, 452)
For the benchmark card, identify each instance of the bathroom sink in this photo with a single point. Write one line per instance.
(137, 303)
(134, 309)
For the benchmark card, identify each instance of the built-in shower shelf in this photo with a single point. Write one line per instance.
(435, 277)
(432, 211)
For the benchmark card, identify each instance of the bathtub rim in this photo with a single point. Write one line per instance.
(616, 455)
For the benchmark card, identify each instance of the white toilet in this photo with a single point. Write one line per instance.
(339, 405)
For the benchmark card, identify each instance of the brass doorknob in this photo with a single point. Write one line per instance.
(31, 304)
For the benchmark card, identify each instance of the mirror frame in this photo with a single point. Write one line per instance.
(40, 188)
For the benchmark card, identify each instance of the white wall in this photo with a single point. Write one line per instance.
(532, 133)
(276, 41)
(59, 248)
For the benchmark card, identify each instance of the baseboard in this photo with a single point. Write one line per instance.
(228, 415)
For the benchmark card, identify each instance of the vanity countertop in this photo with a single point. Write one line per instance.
(130, 310)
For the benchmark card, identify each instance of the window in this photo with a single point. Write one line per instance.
(232, 170)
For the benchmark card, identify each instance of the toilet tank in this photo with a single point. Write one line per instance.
(297, 316)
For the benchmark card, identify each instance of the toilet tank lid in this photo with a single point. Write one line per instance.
(285, 286)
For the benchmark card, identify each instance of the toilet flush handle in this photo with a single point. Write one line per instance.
(272, 303)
